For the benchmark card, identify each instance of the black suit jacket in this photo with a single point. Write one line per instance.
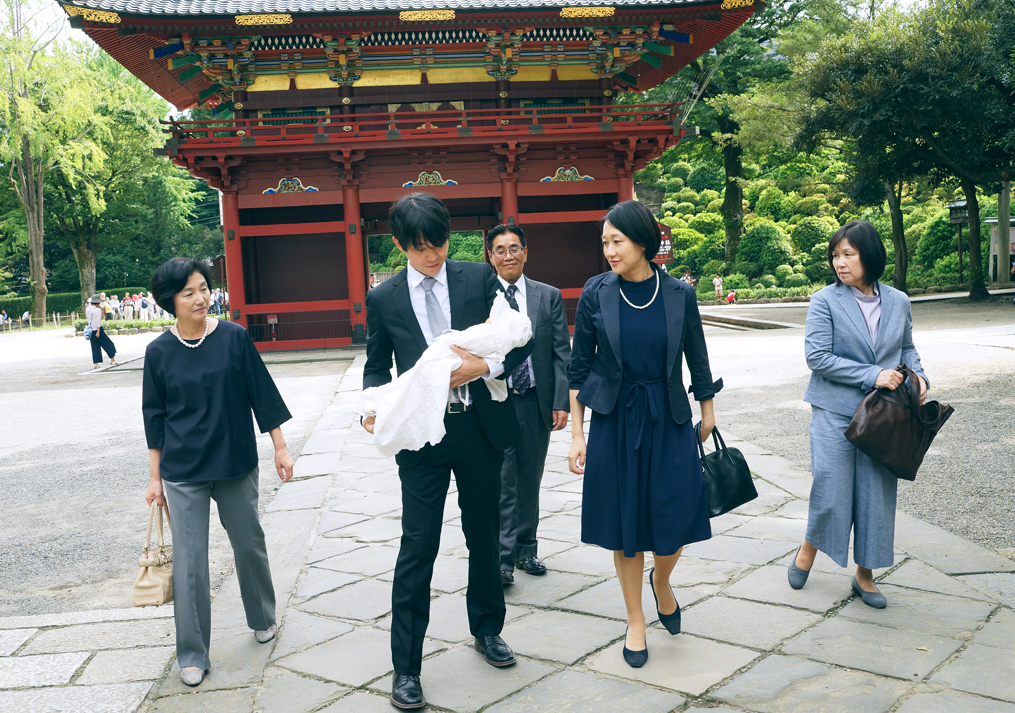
(392, 330)
(596, 367)
(551, 348)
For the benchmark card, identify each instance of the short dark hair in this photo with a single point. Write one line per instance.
(502, 229)
(863, 236)
(171, 278)
(420, 219)
(635, 221)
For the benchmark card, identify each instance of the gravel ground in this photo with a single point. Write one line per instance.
(75, 469)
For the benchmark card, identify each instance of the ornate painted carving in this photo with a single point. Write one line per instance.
(733, 4)
(426, 106)
(290, 185)
(277, 19)
(93, 15)
(589, 11)
(458, 105)
(425, 15)
(429, 179)
(566, 174)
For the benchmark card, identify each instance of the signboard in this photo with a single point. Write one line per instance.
(665, 254)
(272, 319)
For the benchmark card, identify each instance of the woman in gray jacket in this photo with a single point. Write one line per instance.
(858, 331)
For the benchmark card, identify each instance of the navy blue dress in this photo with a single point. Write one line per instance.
(643, 490)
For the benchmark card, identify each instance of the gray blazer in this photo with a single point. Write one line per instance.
(843, 359)
(551, 350)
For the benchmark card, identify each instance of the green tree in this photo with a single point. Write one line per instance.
(46, 116)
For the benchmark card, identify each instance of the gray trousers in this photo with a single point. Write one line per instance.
(189, 506)
(521, 476)
(849, 492)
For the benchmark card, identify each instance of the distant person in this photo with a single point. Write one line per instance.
(201, 380)
(540, 397)
(128, 307)
(687, 277)
(373, 281)
(100, 341)
(3, 317)
(114, 302)
(644, 490)
(26, 318)
(731, 298)
(143, 307)
(858, 330)
(218, 302)
(717, 283)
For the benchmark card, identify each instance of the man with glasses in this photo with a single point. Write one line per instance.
(539, 392)
(404, 315)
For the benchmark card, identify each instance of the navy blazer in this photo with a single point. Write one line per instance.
(596, 367)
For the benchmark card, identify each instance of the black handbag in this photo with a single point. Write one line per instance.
(728, 481)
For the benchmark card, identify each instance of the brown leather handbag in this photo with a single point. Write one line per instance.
(893, 429)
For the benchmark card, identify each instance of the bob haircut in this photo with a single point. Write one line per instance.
(420, 219)
(499, 230)
(635, 221)
(171, 278)
(863, 236)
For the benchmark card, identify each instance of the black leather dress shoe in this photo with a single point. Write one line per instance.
(406, 692)
(507, 577)
(496, 651)
(531, 565)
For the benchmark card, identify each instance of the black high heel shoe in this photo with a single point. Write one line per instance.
(635, 659)
(670, 621)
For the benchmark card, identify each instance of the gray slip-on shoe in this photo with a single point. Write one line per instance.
(877, 600)
(263, 637)
(192, 676)
(797, 577)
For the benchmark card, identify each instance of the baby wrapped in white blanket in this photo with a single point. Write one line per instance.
(410, 410)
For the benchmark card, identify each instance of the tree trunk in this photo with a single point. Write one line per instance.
(733, 200)
(977, 288)
(29, 192)
(898, 236)
(84, 256)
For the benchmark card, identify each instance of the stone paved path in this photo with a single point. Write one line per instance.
(750, 643)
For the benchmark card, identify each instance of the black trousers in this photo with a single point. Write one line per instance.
(102, 341)
(468, 452)
(521, 476)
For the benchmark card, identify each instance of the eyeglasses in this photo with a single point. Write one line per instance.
(515, 250)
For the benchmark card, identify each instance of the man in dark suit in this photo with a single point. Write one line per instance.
(539, 392)
(404, 314)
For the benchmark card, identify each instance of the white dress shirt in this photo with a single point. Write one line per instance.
(520, 299)
(417, 296)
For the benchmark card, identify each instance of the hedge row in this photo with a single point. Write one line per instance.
(61, 302)
(111, 324)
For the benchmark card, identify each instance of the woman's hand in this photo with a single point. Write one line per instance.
(923, 389)
(155, 493)
(707, 418)
(576, 456)
(283, 464)
(889, 379)
(368, 424)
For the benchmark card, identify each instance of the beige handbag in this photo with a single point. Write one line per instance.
(154, 583)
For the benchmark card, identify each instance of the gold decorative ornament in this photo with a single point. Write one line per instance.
(733, 4)
(346, 100)
(504, 122)
(264, 19)
(503, 95)
(460, 106)
(241, 132)
(425, 15)
(429, 179)
(347, 127)
(566, 174)
(590, 11)
(426, 106)
(238, 105)
(290, 185)
(607, 92)
(93, 15)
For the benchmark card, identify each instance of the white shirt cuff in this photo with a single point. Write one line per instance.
(496, 368)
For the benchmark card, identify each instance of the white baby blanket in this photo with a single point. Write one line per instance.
(410, 410)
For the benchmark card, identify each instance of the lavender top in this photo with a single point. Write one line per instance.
(871, 308)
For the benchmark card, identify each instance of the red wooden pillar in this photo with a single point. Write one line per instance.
(625, 188)
(354, 264)
(509, 200)
(234, 258)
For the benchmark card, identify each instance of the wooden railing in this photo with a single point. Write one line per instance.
(394, 126)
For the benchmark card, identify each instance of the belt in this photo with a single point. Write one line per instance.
(457, 407)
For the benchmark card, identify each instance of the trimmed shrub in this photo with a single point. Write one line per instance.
(674, 184)
(746, 268)
(61, 302)
(715, 206)
(685, 208)
(800, 269)
(707, 177)
(466, 246)
(712, 268)
(669, 207)
(939, 239)
(810, 206)
(764, 243)
(816, 268)
(735, 281)
(769, 204)
(769, 281)
(706, 223)
(685, 239)
(796, 280)
(687, 195)
(707, 196)
(681, 170)
(782, 272)
(809, 232)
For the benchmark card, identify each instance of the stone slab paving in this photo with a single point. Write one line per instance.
(750, 643)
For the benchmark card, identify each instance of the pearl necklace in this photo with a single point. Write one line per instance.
(654, 294)
(176, 332)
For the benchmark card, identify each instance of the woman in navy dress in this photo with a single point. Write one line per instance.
(643, 490)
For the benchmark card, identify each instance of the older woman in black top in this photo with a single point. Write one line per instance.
(644, 490)
(201, 381)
